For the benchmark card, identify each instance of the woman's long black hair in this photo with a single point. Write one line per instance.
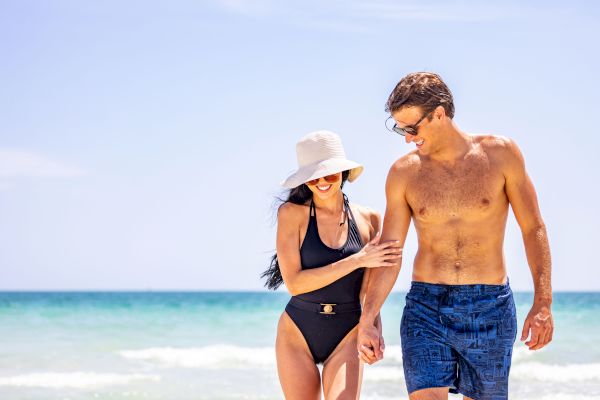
(297, 195)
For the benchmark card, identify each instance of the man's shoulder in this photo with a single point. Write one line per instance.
(406, 163)
(498, 147)
(493, 141)
(401, 171)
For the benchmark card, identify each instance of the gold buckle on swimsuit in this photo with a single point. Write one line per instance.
(327, 308)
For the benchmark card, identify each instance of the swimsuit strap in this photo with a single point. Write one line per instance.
(313, 209)
(348, 209)
(352, 226)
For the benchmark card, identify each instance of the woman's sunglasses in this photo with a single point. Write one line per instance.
(329, 179)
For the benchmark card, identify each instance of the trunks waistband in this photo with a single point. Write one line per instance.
(478, 288)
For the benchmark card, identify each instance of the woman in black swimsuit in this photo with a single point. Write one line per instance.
(321, 258)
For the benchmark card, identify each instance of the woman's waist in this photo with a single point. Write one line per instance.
(344, 290)
(324, 307)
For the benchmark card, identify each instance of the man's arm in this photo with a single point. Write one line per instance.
(375, 219)
(522, 197)
(395, 227)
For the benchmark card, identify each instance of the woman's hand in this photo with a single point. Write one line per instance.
(375, 255)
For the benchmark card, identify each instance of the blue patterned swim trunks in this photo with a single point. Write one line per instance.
(459, 336)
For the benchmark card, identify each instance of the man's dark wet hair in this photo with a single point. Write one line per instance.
(423, 89)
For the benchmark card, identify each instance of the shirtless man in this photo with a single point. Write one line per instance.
(458, 326)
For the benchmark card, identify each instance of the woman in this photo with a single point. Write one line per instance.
(321, 259)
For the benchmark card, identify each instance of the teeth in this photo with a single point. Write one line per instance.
(324, 187)
(420, 142)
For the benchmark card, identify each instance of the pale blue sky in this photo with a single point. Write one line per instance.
(141, 143)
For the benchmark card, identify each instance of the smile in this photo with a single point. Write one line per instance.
(323, 188)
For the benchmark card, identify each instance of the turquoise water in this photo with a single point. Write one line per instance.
(187, 345)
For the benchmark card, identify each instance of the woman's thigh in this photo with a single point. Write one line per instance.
(298, 374)
(342, 371)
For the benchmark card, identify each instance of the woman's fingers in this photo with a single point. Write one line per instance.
(376, 239)
(382, 255)
(391, 243)
(367, 351)
(386, 264)
(392, 253)
(387, 250)
(393, 260)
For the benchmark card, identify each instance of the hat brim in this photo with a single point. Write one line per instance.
(323, 168)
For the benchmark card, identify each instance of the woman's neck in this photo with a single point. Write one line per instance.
(333, 205)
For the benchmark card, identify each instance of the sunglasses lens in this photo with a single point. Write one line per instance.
(331, 178)
(399, 130)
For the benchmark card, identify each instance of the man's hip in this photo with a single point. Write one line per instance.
(460, 336)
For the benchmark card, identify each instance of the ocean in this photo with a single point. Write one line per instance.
(220, 345)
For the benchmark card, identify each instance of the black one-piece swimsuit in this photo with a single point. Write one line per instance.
(326, 315)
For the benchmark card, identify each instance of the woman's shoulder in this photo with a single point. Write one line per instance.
(290, 212)
(367, 213)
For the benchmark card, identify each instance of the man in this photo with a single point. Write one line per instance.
(458, 326)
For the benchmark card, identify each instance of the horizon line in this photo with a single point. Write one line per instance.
(150, 290)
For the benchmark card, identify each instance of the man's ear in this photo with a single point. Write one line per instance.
(439, 113)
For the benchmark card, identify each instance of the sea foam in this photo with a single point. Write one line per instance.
(73, 380)
(393, 353)
(522, 353)
(374, 373)
(556, 373)
(216, 356)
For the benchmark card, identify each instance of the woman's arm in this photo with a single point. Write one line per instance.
(300, 281)
(295, 278)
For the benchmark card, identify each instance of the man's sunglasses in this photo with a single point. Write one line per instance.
(408, 129)
(329, 179)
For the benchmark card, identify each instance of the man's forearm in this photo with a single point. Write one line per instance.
(381, 282)
(540, 262)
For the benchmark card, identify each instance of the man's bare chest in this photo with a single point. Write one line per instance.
(471, 187)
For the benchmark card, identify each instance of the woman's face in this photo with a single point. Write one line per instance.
(326, 187)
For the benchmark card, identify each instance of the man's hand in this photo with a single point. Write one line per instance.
(368, 344)
(539, 321)
(379, 327)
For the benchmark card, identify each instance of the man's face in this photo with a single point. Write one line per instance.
(408, 117)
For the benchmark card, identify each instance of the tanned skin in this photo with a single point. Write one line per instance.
(456, 188)
(341, 376)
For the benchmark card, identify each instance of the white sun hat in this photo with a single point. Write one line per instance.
(320, 154)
